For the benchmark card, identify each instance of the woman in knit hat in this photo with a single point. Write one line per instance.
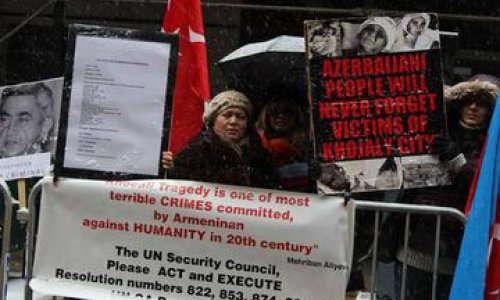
(227, 151)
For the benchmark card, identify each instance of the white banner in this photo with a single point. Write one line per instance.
(170, 239)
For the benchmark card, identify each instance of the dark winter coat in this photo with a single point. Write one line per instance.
(461, 141)
(208, 158)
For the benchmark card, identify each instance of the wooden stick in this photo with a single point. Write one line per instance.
(21, 192)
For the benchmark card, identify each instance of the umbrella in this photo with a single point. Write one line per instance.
(258, 68)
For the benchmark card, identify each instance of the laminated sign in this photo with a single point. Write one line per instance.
(169, 239)
(117, 103)
(375, 86)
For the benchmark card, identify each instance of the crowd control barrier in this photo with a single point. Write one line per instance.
(31, 234)
(408, 210)
(377, 207)
(5, 233)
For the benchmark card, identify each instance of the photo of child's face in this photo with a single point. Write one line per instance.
(416, 26)
(323, 40)
(372, 39)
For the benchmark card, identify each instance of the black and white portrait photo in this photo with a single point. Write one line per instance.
(374, 35)
(28, 125)
(324, 39)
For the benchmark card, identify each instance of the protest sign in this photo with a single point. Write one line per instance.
(375, 87)
(29, 114)
(117, 103)
(170, 239)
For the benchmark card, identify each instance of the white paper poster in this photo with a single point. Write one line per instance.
(117, 105)
(168, 239)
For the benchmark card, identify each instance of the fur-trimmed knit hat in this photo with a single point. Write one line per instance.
(485, 90)
(222, 101)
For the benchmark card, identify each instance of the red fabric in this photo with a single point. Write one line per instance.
(492, 291)
(282, 152)
(472, 189)
(191, 84)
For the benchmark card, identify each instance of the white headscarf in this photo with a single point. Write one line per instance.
(387, 25)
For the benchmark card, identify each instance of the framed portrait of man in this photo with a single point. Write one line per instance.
(29, 114)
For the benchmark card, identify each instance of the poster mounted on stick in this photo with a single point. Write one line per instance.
(29, 116)
(117, 103)
(376, 91)
(171, 239)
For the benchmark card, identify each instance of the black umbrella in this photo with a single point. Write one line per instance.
(260, 68)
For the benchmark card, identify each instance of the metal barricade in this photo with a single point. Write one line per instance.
(6, 228)
(408, 210)
(376, 207)
(30, 242)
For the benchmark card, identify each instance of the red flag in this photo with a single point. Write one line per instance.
(477, 271)
(191, 85)
(493, 273)
(473, 184)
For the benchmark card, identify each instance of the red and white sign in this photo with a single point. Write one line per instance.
(168, 239)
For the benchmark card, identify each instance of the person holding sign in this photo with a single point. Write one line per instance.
(228, 151)
(26, 120)
(283, 133)
(470, 106)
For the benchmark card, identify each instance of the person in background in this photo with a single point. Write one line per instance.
(228, 151)
(26, 120)
(469, 108)
(283, 132)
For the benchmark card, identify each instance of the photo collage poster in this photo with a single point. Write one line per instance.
(376, 92)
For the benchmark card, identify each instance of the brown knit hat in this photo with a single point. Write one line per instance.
(222, 101)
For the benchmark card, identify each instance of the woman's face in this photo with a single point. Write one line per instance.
(231, 124)
(474, 113)
(282, 117)
(372, 39)
(416, 26)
